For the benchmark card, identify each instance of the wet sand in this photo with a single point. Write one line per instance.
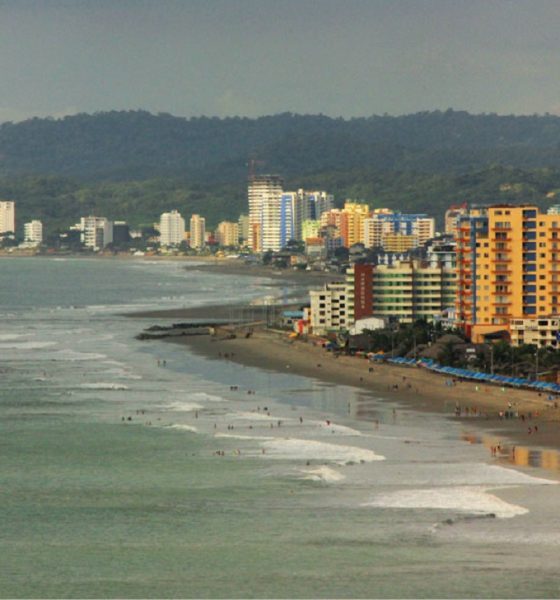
(413, 387)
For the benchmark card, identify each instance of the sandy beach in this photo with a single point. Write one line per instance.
(412, 387)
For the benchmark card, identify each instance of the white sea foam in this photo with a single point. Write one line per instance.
(189, 428)
(234, 436)
(474, 500)
(204, 397)
(322, 473)
(104, 386)
(26, 345)
(6, 337)
(184, 406)
(72, 355)
(338, 429)
(294, 449)
(254, 416)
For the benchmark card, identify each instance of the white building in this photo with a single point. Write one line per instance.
(96, 232)
(197, 232)
(270, 225)
(171, 228)
(7, 217)
(33, 233)
(330, 310)
(263, 190)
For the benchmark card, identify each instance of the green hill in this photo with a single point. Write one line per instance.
(139, 145)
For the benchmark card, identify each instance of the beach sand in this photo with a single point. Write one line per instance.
(412, 387)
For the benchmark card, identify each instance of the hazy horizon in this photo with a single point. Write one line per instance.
(262, 57)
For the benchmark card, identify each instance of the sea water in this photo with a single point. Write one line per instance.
(141, 469)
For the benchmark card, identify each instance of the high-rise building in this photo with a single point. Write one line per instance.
(96, 232)
(243, 223)
(319, 203)
(452, 215)
(227, 234)
(264, 207)
(7, 217)
(352, 223)
(197, 232)
(171, 228)
(412, 290)
(33, 233)
(508, 265)
(271, 223)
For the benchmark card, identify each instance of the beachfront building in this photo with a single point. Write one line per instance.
(329, 309)
(264, 194)
(33, 233)
(508, 265)
(543, 332)
(197, 232)
(406, 291)
(95, 232)
(227, 234)
(7, 217)
(171, 228)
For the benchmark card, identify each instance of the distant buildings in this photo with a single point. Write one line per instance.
(227, 234)
(264, 211)
(33, 233)
(197, 230)
(395, 231)
(7, 217)
(171, 228)
(96, 232)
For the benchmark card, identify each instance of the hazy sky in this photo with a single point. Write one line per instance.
(254, 57)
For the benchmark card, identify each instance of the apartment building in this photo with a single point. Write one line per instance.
(227, 234)
(329, 309)
(412, 290)
(508, 265)
(33, 233)
(197, 232)
(395, 231)
(264, 194)
(95, 232)
(171, 228)
(7, 217)
(540, 332)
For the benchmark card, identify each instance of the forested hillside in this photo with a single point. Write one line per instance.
(139, 145)
(134, 165)
(59, 201)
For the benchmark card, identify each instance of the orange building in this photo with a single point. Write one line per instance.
(508, 267)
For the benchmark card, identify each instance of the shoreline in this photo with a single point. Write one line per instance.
(418, 390)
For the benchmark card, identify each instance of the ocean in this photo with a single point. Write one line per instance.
(133, 469)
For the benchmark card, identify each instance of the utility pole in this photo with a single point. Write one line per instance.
(491, 359)
(537, 364)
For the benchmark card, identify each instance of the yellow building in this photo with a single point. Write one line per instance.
(227, 234)
(398, 242)
(352, 226)
(508, 267)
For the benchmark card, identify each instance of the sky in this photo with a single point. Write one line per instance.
(222, 58)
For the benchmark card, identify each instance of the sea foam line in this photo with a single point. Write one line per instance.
(474, 500)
